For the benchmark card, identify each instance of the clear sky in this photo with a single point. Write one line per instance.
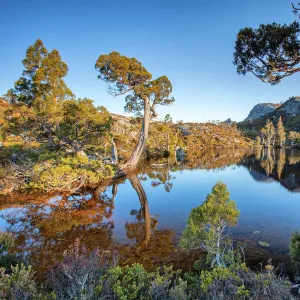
(190, 41)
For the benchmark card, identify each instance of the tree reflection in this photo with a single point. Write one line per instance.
(280, 162)
(267, 161)
(162, 176)
(150, 243)
(280, 165)
(44, 230)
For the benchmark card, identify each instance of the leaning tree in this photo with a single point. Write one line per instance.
(270, 52)
(126, 75)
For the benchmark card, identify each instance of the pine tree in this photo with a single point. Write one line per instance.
(207, 222)
(280, 134)
(41, 80)
(257, 141)
(268, 134)
(41, 89)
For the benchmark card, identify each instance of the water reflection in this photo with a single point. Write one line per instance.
(45, 228)
(280, 165)
(141, 217)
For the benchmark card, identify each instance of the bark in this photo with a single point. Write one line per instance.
(141, 145)
(114, 152)
(136, 184)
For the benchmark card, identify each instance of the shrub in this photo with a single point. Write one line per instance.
(20, 284)
(77, 276)
(68, 173)
(6, 259)
(242, 283)
(295, 252)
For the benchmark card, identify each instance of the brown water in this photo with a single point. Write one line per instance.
(140, 218)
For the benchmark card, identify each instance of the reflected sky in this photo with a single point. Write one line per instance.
(267, 207)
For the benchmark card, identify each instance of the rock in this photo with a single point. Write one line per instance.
(256, 232)
(260, 110)
(264, 244)
(228, 121)
(180, 154)
(291, 106)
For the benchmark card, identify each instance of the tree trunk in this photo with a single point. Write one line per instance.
(114, 151)
(141, 145)
(136, 184)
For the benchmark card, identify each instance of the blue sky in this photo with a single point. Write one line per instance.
(190, 41)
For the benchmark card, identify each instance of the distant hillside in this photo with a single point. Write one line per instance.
(3, 107)
(169, 136)
(289, 111)
(261, 109)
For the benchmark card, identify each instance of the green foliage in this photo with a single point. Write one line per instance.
(83, 124)
(295, 251)
(294, 137)
(167, 284)
(280, 133)
(239, 282)
(42, 84)
(20, 284)
(6, 259)
(268, 134)
(68, 173)
(134, 282)
(124, 74)
(129, 282)
(86, 275)
(122, 71)
(206, 224)
(6, 241)
(270, 52)
(218, 273)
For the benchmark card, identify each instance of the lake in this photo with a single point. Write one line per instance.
(141, 218)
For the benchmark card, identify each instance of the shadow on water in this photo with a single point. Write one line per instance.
(118, 216)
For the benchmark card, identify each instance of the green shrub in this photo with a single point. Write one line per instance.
(130, 282)
(68, 173)
(20, 284)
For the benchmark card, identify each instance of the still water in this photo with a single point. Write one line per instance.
(141, 218)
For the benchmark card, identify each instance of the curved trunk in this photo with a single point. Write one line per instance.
(140, 147)
(136, 184)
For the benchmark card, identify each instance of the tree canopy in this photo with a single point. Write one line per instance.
(206, 223)
(128, 75)
(42, 79)
(270, 52)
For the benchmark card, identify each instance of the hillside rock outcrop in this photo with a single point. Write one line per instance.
(261, 109)
(291, 106)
